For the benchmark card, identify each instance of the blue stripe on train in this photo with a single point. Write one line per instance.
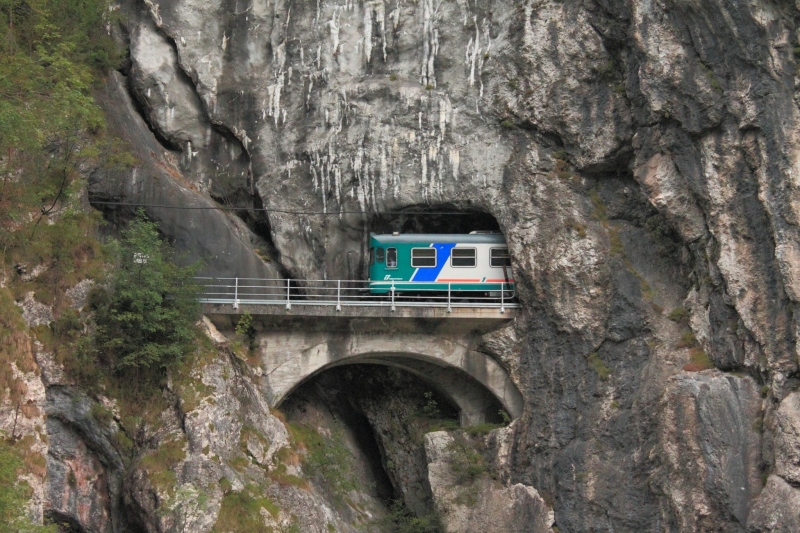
(442, 256)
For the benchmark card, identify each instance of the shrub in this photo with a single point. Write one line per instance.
(688, 340)
(245, 331)
(699, 360)
(466, 463)
(679, 315)
(145, 322)
(431, 408)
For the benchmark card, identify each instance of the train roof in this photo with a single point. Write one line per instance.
(414, 238)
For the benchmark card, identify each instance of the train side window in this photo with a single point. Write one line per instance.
(391, 258)
(379, 255)
(463, 257)
(372, 256)
(498, 257)
(423, 257)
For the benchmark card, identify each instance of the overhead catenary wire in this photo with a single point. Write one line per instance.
(283, 211)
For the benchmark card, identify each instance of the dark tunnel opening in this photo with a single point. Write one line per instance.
(383, 412)
(439, 218)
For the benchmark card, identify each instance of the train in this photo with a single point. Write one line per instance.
(472, 263)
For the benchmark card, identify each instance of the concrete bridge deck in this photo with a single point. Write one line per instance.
(435, 338)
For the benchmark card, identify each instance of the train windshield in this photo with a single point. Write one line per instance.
(379, 255)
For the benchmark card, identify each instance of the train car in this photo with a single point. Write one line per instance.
(432, 262)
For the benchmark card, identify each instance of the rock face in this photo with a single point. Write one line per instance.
(786, 433)
(84, 466)
(708, 448)
(777, 508)
(481, 505)
(641, 159)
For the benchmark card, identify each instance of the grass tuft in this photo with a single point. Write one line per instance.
(603, 371)
(699, 361)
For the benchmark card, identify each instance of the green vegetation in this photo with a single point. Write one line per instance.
(51, 52)
(400, 519)
(241, 512)
(160, 465)
(504, 416)
(479, 430)
(431, 418)
(507, 124)
(679, 315)
(245, 332)
(603, 371)
(713, 81)
(15, 494)
(327, 457)
(577, 227)
(431, 407)
(698, 361)
(466, 463)
(145, 318)
(687, 340)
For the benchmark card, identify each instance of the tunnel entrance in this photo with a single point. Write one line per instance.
(381, 414)
(440, 218)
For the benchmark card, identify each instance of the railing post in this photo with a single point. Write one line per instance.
(236, 294)
(449, 308)
(338, 295)
(393, 296)
(502, 299)
(288, 288)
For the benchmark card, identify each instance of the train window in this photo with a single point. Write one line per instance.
(499, 257)
(379, 255)
(463, 257)
(372, 256)
(423, 257)
(391, 258)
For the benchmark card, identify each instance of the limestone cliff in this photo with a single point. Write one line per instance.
(642, 160)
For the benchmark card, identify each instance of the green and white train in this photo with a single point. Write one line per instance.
(432, 262)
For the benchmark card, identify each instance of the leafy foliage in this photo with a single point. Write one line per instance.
(50, 54)
(145, 318)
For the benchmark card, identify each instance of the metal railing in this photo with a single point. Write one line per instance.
(355, 293)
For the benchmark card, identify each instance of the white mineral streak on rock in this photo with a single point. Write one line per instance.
(454, 158)
(430, 44)
(334, 29)
(376, 9)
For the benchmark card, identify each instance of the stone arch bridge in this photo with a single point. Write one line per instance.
(438, 346)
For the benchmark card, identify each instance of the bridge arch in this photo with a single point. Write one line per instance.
(471, 379)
